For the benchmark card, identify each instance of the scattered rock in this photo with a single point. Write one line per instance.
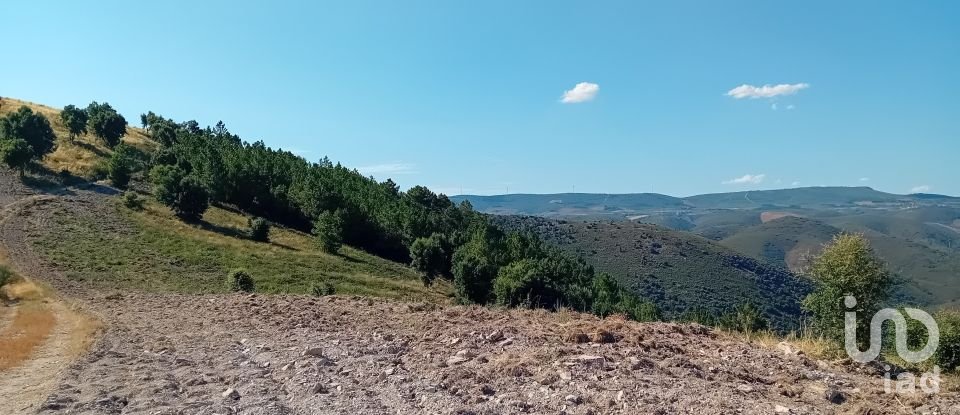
(313, 351)
(231, 394)
(834, 396)
(780, 409)
(456, 360)
(574, 399)
(602, 336)
(589, 360)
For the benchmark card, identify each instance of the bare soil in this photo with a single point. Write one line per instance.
(278, 354)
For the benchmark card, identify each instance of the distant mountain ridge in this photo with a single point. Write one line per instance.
(600, 204)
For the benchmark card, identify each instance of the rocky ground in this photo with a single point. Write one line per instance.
(258, 354)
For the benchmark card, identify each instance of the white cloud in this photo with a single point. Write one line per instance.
(766, 91)
(582, 92)
(790, 107)
(773, 106)
(795, 184)
(746, 178)
(924, 188)
(388, 169)
(864, 179)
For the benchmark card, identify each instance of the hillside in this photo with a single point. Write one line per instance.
(79, 156)
(619, 206)
(250, 353)
(799, 197)
(561, 204)
(101, 243)
(928, 274)
(785, 241)
(677, 270)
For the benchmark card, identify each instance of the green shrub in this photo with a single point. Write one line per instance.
(259, 229)
(329, 231)
(322, 289)
(184, 194)
(429, 257)
(6, 275)
(99, 171)
(699, 315)
(132, 200)
(847, 266)
(119, 167)
(239, 280)
(947, 356)
(745, 318)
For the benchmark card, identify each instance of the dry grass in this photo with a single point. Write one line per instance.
(815, 347)
(30, 328)
(81, 155)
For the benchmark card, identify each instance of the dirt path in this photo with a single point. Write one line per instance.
(25, 386)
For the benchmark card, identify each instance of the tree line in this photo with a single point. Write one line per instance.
(27, 136)
(195, 166)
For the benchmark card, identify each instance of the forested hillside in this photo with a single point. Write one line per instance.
(189, 168)
(680, 272)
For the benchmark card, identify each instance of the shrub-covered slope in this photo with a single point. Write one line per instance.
(676, 270)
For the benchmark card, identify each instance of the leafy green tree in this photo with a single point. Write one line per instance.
(182, 193)
(106, 123)
(166, 182)
(328, 229)
(75, 120)
(847, 266)
(16, 153)
(31, 127)
(163, 131)
(476, 263)
(429, 257)
(193, 200)
(120, 167)
(525, 283)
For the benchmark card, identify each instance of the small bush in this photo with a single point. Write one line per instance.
(133, 201)
(259, 229)
(239, 280)
(99, 171)
(5, 275)
(322, 289)
(947, 356)
(745, 318)
(120, 167)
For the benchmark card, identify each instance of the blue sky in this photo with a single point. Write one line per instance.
(470, 94)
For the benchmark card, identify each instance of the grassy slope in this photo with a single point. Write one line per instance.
(930, 273)
(152, 250)
(782, 241)
(677, 270)
(80, 155)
